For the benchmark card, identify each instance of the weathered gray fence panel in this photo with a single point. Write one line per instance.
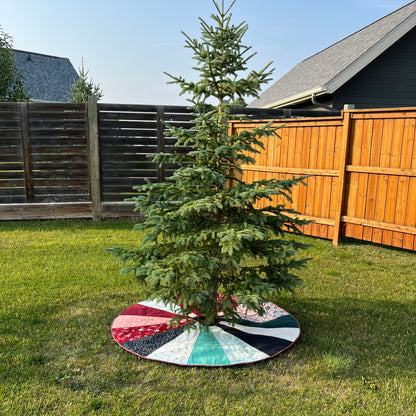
(61, 160)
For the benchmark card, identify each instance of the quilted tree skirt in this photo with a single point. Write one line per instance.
(143, 330)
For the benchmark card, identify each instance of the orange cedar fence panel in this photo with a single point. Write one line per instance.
(362, 173)
(305, 147)
(381, 178)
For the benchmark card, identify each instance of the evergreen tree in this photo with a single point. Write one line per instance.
(82, 88)
(206, 246)
(11, 79)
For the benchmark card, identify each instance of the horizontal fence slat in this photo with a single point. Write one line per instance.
(131, 173)
(10, 141)
(105, 117)
(118, 210)
(58, 141)
(58, 133)
(61, 182)
(294, 171)
(7, 124)
(11, 174)
(15, 190)
(107, 183)
(45, 210)
(52, 116)
(126, 124)
(110, 141)
(374, 170)
(10, 158)
(56, 125)
(126, 107)
(12, 166)
(61, 173)
(131, 158)
(125, 187)
(63, 198)
(379, 225)
(12, 183)
(10, 133)
(52, 167)
(57, 107)
(118, 132)
(61, 190)
(10, 151)
(41, 149)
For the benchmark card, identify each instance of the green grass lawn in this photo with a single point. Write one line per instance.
(60, 291)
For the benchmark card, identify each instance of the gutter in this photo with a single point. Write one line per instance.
(318, 104)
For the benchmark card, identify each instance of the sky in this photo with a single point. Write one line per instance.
(127, 45)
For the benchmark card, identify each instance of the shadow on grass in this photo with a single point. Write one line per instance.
(348, 241)
(377, 337)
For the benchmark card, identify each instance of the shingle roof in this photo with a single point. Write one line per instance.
(46, 78)
(329, 69)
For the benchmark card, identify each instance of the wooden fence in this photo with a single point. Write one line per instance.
(76, 160)
(362, 173)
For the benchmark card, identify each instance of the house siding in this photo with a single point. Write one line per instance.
(389, 81)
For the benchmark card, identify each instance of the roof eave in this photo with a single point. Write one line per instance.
(296, 99)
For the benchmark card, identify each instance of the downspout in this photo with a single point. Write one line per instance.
(318, 104)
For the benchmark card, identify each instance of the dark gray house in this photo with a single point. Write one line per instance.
(374, 67)
(46, 78)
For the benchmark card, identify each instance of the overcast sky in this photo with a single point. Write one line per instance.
(127, 44)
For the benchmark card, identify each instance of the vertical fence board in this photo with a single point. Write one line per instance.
(358, 151)
(364, 196)
(341, 195)
(27, 159)
(372, 190)
(409, 240)
(333, 163)
(94, 158)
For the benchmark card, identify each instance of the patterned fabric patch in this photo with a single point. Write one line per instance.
(145, 346)
(271, 311)
(127, 334)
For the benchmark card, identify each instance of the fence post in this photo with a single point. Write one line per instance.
(27, 157)
(94, 158)
(160, 110)
(346, 133)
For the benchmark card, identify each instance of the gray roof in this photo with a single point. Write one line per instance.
(46, 78)
(329, 69)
